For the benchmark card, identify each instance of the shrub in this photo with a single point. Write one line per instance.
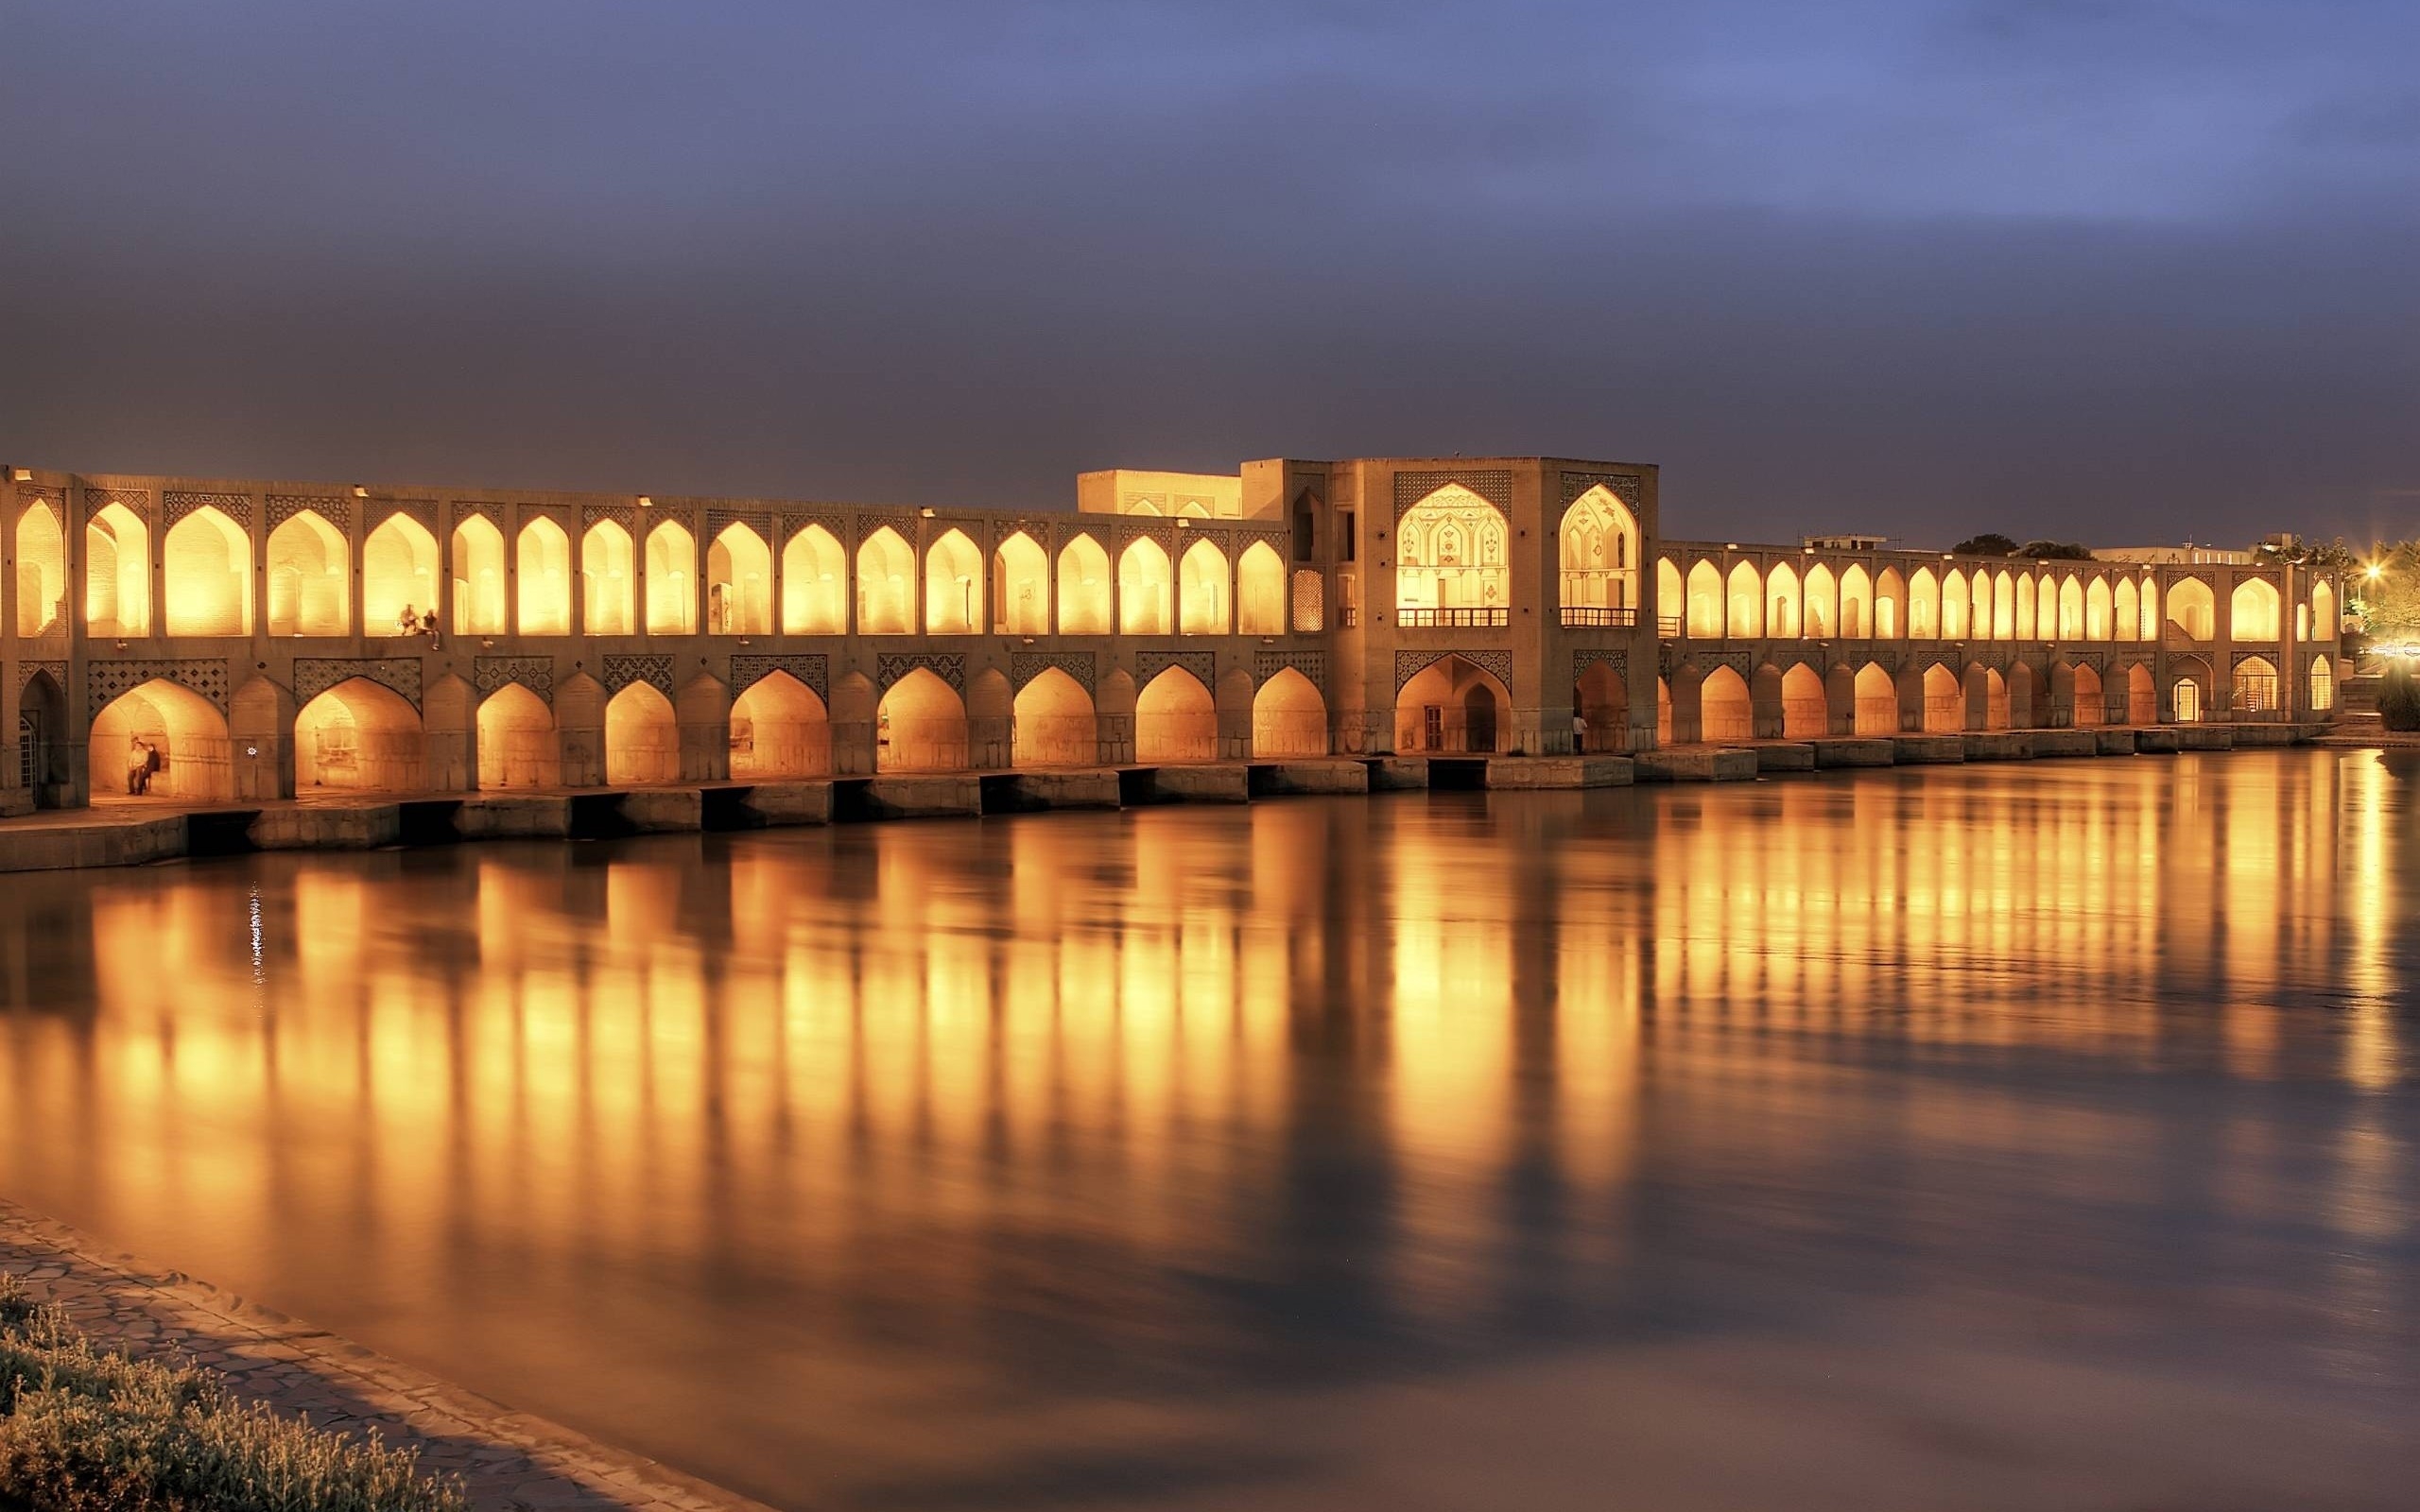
(89, 1430)
(2399, 698)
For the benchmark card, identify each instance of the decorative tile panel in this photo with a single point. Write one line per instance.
(950, 667)
(810, 669)
(138, 500)
(27, 671)
(625, 515)
(105, 680)
(655, 669)
(842, 526)
(1618, 661)
(1494, 484)
(28, 495)
(316, 675)
(335, 511)
(1409, 664)
(535, 673)
(1311, 663)
(492, 513)
(1623, 486)
(1024, 666)
(1150, 664)
(759, 520)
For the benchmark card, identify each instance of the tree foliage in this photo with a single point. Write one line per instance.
(2390, 603)
(1990, 544)
(2054, 551)
(2399, 698)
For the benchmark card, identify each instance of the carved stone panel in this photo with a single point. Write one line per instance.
(1266, 663)
(654, 669)
(1409, 664)
(1623, 486)
(950, 667)
(177, 503)
(808, 669)
(1494, 484)
(1024, 666)
(284, 506)
(1150, 664)
(316, 675)
(535, 673)
(105, 680)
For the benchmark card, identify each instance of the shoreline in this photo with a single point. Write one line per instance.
(508, 1460)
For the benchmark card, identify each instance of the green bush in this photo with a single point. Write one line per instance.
(2398, 700)
(88, 1430)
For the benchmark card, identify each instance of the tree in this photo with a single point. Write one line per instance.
(1990, 544)
(2054, 551)
(2398, 700)
(2390, 603)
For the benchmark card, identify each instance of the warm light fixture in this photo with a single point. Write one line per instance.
(927, 512)
(646, 502)
(22, 475)
(2375, 572)
(361, 493)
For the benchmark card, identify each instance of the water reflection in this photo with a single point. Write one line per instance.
(1136, 1158)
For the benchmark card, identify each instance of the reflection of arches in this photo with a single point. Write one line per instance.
(310, 577)
(740, 583)
(478, 577)
(1143, 589)
(2254, 688)
(1288, 716)
(1201, 592)
(42, 571)
(1175, 719)
(2142, 699)
(671, 580)
(886, 585)
(1260, 591)
(2323, 685)
(517, 741)
(815, 584)
(208, 575)
(1878, 701)
(398, 574)
(1806, 714)
(1724, 709)
(187, 732)
(1600, 549)
(608, 581)
(778, 729)
(953, 585)
(1083, 588)
(1054, 722)
(2193, 608)
(2253, 614)
(1602, 701)
(1433, 712)
(641, 737)
(1020, 588)
(544, 552)
(920, 726)
(117, 573)
(1450, 555)
(1822, 606)
(359, 735)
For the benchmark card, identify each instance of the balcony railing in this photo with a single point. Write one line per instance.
(1454, 618)
(1667, 626)
(1579, 614)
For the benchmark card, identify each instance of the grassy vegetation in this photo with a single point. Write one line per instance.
(84, 1429)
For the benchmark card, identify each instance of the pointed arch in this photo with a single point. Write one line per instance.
(671, 580)
(1744, 612)
(1705, 602)
(886, 585)
(1671, 600)
(1822, 619)
(1782, 618)
(1725, 711)
(2070, 609)
(739, 582)
(398, 576)
(517, 741)
(1020, 587)
(2086, 709)
(815, 584)
(310, 577)
(2324, 623)
(2004, 608)
(1600, 701)
(608, 579)
(1923, 606)
(1143, 589)
(1202, 589)
(1856, 602)
(1451, 555)
(183, 733)
(1889, 600)
(1953, 606)
(2252, 613)
(2149, 608)
(1453, 704)
(641, 737)
(1175, 719)
(1945, 701)
(1054, 721)
(361, 736)
(2193, 608)
(479, 577)
(1878, 701)
(953, 585)
(2323, 685)
(117, 573)
(778, 729)
(920, 726)
(2142, 697)
(1806, 714)
(42, 571)
(207, 573)
(1994, 700)
(2096, 608)
(1083, 588)
(1978, 606)
(2025, 606)
(1288, 716)
(1598, 541)
(1260, 591)
(2125, 614)
(544, 572)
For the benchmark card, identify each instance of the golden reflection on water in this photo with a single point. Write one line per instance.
(883, 1099)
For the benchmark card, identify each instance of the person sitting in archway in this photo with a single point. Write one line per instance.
(428, 624)
(407, 621)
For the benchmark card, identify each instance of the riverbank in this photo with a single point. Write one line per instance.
(506, 1460)
(134, 831)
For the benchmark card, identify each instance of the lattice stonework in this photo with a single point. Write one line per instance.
(759, 520)
(316, 675)
(424, 510)
(105, 682)
(491, 513)
(1583, 661)
(1311, 664)
(1150, 664)
(28, 496)
(654, 669)
(1492, 484)
(810, 669)
(1024, 666)
(535, 673)
(1624, 486)
(950, 667)
(284, 506)
(138, 500)
(840, 523)
(625, 515)
(1409, 664)
(27, 671)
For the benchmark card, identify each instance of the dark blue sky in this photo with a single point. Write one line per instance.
(2076, 267)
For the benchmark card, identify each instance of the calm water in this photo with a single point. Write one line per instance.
(2006, 1137)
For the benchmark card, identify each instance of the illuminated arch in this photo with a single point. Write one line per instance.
(887, 585)
(186, 728)
(208, 575)
(2085, 706)
(1175, 719)
(1601, 699)
(2142, 699)
(2252, 613)
(2004, 608)
(1878, 701)
(1945, 701)
(2324, 623)
(1953, 606)
(2149, 608)
(671, 580)
(1978, 606)
(117, 573)
(641, 737)
(1599, 542)
(1889, 599)
(1450, 558)
(2323, 684)
(1744, 612)
(2193, 608)
(1020, 587)
(953, 585)
(1856, 602)
(1453, 704)
(778, 729)
(1705, 602)
(310, 578)
(1202, 591)
(2125, 614)
(478, 579)
(1822, 594)
(1260, 591)
(1923, 606)
(42, 571)
(1782, 618)
(517, 741)
(1055, 722)
(2025, 606)
(2070, 609)
(1143, 589)
(608, 579)
(815, 584)
(399, 572)
(544, 553)
(359, 735)
(2095, 610)
(921, 726)
(1725, 712)
(1806, 712)
(1083, 588)
(1671, 601)
(740, 583)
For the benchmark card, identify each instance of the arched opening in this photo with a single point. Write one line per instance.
(1260, 591)
(1434, 712)
(740, 583)
(1724, 709)
(671, 580)
(1822, 615)
(1705, 602)
(1856, 602)
(1878, 701)
(2024, 607)
(953, 586)
(1175, 719)
(2323, 685)
(641, 737)
(359, 735)
(2085, 701)
(42, 571)
(1953, 606)
(1672, 603)
(887, 586)
(1600, 549)
(517, 743)
(1288, 716)
(1806, 714)
(1994, 700)
(544, 553)
(2193, 608)
(2070, 609)
(398, 576)
(162, 740)
(1143, 589)
(1055, 723)
(2188, 699)
(2255, 687)
(920, 726)
(1201, 596)
(815, 584)
(2095, 610)
(2324, 625)
(208, 572)
(2253, 614)
(1083, 588)
(310, 578)
(1745, 617)
(2125, 616)
(608, 581)
(1663, 713)
(117, 573)
(1945, 701)
(2004, 608)
(778, 729)
(1978, 606)
(478, 577)
(42, 768)
(1020, 588)
(1923, 606)
(2150, 609)
(1890, 593)
(1601, 701)
(1780, 602)
(1450, 561)
(2142, 699)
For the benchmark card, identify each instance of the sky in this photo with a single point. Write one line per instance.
(2129, 273)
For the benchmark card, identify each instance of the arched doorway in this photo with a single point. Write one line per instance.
(920, 726)
(517, 742)
(2086, 699)
(1054, 723)
(359, 735)
(778, 729)
(1288, 716)
(2142, 699)
(1435, 709)
(2256, 693)
(42, 741)
(398, 576)
(1175, 719)
(1725, 711)
(42, 571)
(2323, 685)
(1601, 700)
(1805, 713)
(1878, 701)
(641, 737)
(186, 732)
(1945, 701)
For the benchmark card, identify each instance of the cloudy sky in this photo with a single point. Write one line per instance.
(2091, 268)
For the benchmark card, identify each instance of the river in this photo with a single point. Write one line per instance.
(2009, 1136)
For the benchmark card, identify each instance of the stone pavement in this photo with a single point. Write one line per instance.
(508, 1460)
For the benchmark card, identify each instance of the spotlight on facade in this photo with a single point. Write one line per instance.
(927, 512)
(645, 502)
(361, 493)
(2373, 571)
(21, 474)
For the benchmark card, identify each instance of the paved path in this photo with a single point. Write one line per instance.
(508, 1460)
